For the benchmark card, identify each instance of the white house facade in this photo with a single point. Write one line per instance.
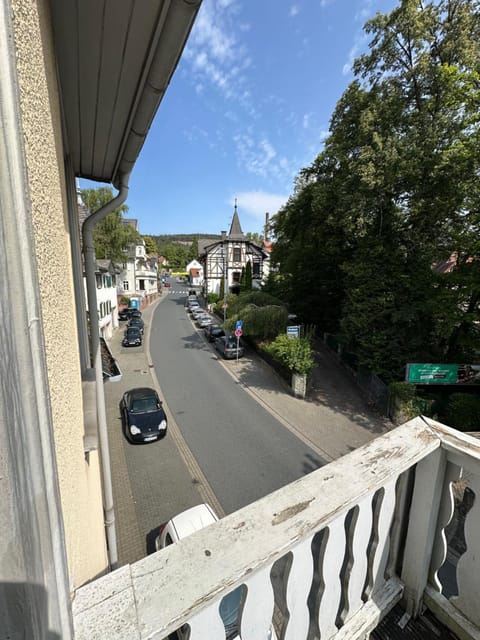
(195, 272)
(106, 275)
(139, 277)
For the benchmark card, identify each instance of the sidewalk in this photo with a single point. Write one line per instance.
(333, 420)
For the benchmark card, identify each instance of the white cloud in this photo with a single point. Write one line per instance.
(258, 203)
(306, 120)
(358, 47)
(213, 49)
(294, 10)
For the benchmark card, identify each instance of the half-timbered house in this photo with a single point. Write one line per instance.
(224, 259)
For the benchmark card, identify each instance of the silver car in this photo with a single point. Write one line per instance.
(204, 320)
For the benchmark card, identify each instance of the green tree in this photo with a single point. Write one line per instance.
(242, 279)
(248, 276)
(193, 253)
(394, 192)
(111, 235)
(256, 238)
(150, 245)
(177, 256)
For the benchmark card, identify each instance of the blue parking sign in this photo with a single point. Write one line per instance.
(238, 324)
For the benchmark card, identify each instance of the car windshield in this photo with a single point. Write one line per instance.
(231, 343)
(144, 405)
(133, 331)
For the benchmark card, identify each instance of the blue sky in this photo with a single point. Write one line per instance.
(246, 110)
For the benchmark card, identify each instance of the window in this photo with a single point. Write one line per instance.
(108, 281)
(256, 269)
(141, 284)
(237, 254)
(125, 285)
(236, 276)
(99, 280)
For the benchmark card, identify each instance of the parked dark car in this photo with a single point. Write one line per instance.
(132, 337)
(213, 331)
(227, 346)
(144, 419)
(128, 313)
(136, 322)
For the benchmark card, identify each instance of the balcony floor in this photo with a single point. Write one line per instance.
(426, 627)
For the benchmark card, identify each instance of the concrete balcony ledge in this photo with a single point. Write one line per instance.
(326, 556)
(111, 370)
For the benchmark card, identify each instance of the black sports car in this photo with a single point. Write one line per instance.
(144, 419)
(132, 337)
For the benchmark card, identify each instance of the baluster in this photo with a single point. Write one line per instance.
(332, 553)
(447, 506)
(358, 537)
(298, 588)
(468, 568)
(207, 623)
(382, 522)
(258, 608)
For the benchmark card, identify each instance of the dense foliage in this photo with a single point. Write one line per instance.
(293, 353)
(463, 412)
(111, 236)
(179, 255)
(395, 192)
(263, 316)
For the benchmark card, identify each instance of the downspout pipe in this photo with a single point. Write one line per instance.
(90, 264)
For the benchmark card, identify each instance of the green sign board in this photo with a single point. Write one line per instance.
(427, 373)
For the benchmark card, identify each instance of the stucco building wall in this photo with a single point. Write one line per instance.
(78, 475)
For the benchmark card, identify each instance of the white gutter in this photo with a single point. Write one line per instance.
(89, 256)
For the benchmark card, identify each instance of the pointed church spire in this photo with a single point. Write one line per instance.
(236, 232)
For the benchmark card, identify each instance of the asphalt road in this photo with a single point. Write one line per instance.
(244, 452)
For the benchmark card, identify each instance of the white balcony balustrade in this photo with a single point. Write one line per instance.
(324, 557)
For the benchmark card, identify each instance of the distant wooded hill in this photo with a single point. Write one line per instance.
(182, 238)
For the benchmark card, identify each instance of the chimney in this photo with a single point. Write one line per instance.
(224, 235)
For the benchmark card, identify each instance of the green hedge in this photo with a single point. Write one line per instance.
(463, 412)
(293, 353)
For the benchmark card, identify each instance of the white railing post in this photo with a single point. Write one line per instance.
(468, 568)
(427, 493)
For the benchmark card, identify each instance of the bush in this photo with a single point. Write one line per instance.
(258, 298)
(293, 353)
(125, 300)
(212, 298)
(463, 412)
(261, 322)
(404, 391)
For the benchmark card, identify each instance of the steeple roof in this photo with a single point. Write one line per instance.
(236, 232)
